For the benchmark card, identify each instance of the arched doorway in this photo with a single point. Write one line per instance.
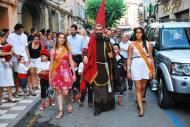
(30, 15)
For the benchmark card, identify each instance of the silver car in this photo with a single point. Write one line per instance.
(171, 41)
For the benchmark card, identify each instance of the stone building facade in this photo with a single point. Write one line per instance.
(8, 14)
(57, 15)
(174, 9)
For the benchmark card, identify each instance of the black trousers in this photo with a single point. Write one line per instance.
(89, 89)
(44, 86)
(76, 85)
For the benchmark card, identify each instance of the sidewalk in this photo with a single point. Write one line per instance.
(17, 114)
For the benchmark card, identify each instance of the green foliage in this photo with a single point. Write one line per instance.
(115, 9)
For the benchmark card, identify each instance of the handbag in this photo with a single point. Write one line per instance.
(50, 92)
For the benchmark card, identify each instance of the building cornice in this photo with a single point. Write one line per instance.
(57, 8)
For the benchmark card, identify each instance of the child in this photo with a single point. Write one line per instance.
(43, 72)
(120, 61)
(6, 78)
(22, 74)
(75, 87)
(83, 93)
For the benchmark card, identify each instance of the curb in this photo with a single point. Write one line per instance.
(27, 114)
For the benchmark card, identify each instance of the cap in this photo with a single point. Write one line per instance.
(44, 52)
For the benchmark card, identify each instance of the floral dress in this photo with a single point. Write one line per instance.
(62, 76)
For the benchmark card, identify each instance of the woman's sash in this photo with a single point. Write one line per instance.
(58, 59)
(145, 58)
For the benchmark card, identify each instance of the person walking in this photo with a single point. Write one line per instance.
(124, 44)
(6, 78)
(49, 42)
(77, 45)
(23, 69)
(19, 42)
(43, 72)
(60, 76)
(34, 49)
(98, 71)
(88, 90)
(140, 65)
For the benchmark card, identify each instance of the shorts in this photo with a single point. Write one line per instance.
(35, 62)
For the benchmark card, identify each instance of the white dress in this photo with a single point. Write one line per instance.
(139, 69)
(6, 76)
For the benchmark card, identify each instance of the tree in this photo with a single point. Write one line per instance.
(115, 9)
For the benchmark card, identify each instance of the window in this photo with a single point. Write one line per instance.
(175, 38)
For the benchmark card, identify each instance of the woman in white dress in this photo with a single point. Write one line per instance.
(138, 69)
(6, 76)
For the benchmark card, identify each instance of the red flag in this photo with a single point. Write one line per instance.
(90, 70)
(100, 18)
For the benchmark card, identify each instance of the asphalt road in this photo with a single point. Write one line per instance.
(125, 116)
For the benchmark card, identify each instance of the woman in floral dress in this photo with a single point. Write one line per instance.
(61, 78)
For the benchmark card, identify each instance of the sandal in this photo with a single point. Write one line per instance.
(69, 108)
(11, 99)
(59, 115)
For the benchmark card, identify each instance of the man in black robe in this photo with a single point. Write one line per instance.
(102, 81)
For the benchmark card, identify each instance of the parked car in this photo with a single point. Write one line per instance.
(171, 42)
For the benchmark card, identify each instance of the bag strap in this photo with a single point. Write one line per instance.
(144, 57)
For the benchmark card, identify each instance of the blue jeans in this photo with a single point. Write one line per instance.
(23, 83)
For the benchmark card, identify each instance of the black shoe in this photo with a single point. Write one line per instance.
(81, 104)
(96, 113)
(141, 114)
(144, 100)
(90, 105)
(130, 88)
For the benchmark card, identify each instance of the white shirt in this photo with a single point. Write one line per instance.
(76, 43)
(112, 41)
(81, 66)
(22, 69)
(19, 43)
(43, 66)
(124, 48)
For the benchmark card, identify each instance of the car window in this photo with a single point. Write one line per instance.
(176, 38)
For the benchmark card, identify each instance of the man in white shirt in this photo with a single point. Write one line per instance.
(77, 45)
(19, 42)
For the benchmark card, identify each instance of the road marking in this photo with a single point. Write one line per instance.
(9, 116)
(3, 124)
(175, 120)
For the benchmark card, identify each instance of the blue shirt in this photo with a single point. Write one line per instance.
(76, 44)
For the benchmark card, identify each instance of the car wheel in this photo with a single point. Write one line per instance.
(165, 99)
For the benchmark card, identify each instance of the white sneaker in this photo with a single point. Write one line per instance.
(4, 101)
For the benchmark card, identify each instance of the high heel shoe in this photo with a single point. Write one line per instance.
(141, 114)
(59, 115)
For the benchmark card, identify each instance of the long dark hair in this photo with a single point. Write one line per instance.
(65, 44)
(143, 36)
